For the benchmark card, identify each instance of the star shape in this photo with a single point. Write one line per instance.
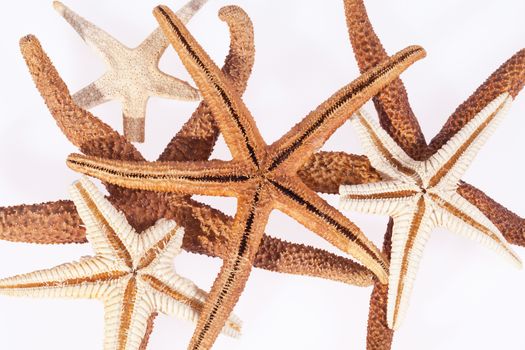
(261, 177)
(131, 273)
(133, 75)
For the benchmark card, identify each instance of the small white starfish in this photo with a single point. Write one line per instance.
(132, 273)
(421, 195)
(133, 75)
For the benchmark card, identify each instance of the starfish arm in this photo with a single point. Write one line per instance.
(296, 146)
(409, 237)
(160, 242)
(92, 95)
(305, 206)
(88, 278)
(392, 105)
(460, 216)
(107, 229)
(509, 224)
(177, 296)
(379, 335)
(80, 127)
(508, 78)
(95, 37)
(156, 43)
(326, 171)
(253, 209)
(168, 86)
(134, 117)
(127, 311)
(233, 118)
(214, 178)
(47, 223)
(384, 153)
(197, 137)
(384, 198)
(445, 168)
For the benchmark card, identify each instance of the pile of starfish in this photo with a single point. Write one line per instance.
(149, 214)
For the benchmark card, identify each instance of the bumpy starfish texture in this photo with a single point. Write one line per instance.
(262, 177)
(206, 228)
(133, 75)
(421, 195)
(132, 273)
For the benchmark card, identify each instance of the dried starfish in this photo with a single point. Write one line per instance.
(323, 173)
(262, 177)
(132, 273)
(133, 75)
(421, 195)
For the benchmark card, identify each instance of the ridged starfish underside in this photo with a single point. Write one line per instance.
(262, 177)
(131, 273)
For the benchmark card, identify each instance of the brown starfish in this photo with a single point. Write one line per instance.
(395, 114)
(206, 228)
(262, 177)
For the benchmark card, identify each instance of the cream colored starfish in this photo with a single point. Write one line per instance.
(133, 75)
(421, 195)
(132, 273)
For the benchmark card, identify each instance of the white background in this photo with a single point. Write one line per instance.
(466, 297)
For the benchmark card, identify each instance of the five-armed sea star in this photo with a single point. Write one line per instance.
(421, 195)
(133, 75)
(132, 273)
(262, 177)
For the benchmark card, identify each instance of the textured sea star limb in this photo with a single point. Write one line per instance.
(261, 177)
(133, 75)
(205, 226)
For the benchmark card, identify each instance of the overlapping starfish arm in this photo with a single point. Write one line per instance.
(384, 153)
(232, 116)
(444, 169)
(456, 211)
(508, 78)
(410, 233)
(197, 137)
(395, 113)
(47, 223)
(293, 198)
(296, 146)
(385, 198)
(133, 74)
(80, 127)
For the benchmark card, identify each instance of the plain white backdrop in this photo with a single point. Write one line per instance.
(465, 297)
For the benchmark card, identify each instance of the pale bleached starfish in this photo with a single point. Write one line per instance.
(133, 75)
(421, 195)
(132, 273)
(262, 177)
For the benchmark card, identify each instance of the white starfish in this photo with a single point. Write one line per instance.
(133, 75)
(421, 195)
(132, 273)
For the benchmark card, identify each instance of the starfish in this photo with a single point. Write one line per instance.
(131, 273)
(327, 170)
(261, 177)
(133, 75)
(421, 195)
(206, 228)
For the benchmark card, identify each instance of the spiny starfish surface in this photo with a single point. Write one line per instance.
(262, 177)
(133, 75)
(206, 228)
(132, 273)
(422, 195)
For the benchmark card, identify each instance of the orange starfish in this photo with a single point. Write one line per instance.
(262, 177)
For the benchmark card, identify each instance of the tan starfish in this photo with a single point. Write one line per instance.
(133, 75)
(132, 273)
(262, 177)
(421, 195)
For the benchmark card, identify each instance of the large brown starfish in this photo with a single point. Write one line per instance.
(262, 177)
(397, 118)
